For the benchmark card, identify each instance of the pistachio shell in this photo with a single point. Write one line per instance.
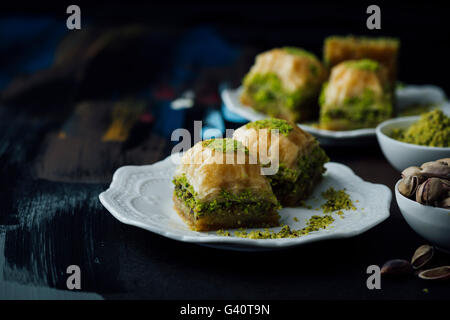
(426, 164)
(432, 163)
(446, 160)
(422, 256)
(433, 190)
(408, 186)
(436, 169)
(396, 267)
(439, 273)
(411, 171)
(429, 191)
(419, 193)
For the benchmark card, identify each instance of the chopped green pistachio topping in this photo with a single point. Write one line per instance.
(322, 96)
(245, 196)
(314, 223)
(312, 163)
(223, 233)
(336, 200)
(267, 91)
(282, 125)
(397, 134)
(432, 129)
(301, 180)
(247, 201)
(363, 64)
(225, 145)
(185, 191)
(367, 99)
(366, 110)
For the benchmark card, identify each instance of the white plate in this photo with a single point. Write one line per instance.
(142, 196)
(404, 96)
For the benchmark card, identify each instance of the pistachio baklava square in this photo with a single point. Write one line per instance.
(382, 49)
(299, 157)
(219, 185)
(284, 83)
(357, 95)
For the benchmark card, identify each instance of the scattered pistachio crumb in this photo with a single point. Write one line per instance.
(223, 233)
(336, 200)
(314, 223)
(425, 290)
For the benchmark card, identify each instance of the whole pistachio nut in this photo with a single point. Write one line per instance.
(422, 256)
(439, 273)
(429, 191)
(408, 186)
(426, 164)
(396, 267)
(419, 193)
(411, 171)
(436, 169)
(446, 160)
(433, 190)
(432, 163)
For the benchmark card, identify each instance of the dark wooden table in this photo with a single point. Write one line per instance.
(50, 218)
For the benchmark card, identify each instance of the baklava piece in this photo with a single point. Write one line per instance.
(284, 83)
(300, 158)
(383, 50)
(357, 95)
(218, 185)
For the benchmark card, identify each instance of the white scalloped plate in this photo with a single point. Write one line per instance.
(142, 196)
(405, 96)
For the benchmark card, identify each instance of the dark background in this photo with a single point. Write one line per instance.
(421, 25)
(60, 92)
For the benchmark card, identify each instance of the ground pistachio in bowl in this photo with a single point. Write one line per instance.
(428, 184)
(432, 129)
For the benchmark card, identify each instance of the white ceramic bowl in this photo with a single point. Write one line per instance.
(430, 222)
(402, 155)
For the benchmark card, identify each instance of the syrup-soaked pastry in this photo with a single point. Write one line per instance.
(219, 185)
(284, 83)
(383, 50)
(298, 154)
(357, 95)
